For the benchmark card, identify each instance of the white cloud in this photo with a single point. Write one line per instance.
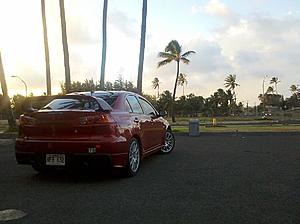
(217, 8)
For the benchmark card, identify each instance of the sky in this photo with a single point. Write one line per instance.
(251, 39)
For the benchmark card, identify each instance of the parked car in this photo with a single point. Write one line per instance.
(92, 128)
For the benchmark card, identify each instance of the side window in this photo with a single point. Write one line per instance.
(134, 104)
(127, 107)
(148, 109)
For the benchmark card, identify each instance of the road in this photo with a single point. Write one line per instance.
(232, 178)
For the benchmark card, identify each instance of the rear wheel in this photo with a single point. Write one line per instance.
(169, 142)
(134, 158)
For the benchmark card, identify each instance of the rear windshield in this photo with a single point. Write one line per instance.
(72, 104)
(110, 99)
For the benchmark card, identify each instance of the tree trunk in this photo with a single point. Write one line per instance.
(174, 94)
(47, 60)
(158, 91)
(142, 48)
(104, 44)
(65, 45)
(10, 116)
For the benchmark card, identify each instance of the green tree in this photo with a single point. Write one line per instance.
(182, 81)
(65, 45)
(165, 101)
(155, 85)
(46, 47)
(173, 52)
(142, 48)
(275, 81)
(104, 44)
(17, 103)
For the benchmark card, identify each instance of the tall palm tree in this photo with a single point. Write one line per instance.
(142, 48)
(104, 44)
(182, 81)
(155, 85)
(230, 84)
(173, 52)
(65, 45)
(47, 60)
(275, 81)
(11, 119)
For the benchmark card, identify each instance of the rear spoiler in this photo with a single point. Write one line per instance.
(102, 103)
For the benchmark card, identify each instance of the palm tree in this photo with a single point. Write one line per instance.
(155, 85)
(182, 81)
(104, 44)
(142, 48)
(173, 52)
(11, 119)
(230, 84)
(47, 60)
(65, 45)
(293, 89)
(275, 81)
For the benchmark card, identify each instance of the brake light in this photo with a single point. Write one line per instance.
(98, 119)
(27, 120)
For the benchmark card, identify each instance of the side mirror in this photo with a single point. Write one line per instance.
(163, 113)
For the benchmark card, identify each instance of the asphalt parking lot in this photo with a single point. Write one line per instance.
(229, 178)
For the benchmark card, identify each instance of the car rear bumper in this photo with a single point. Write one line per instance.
(72, 160)
(76, 152)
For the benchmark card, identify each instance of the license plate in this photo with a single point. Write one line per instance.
(55, 159)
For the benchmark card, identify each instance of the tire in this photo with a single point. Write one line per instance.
(134, 158)
(169, 142)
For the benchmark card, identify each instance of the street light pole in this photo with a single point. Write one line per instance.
(15, 76)
(263, 93)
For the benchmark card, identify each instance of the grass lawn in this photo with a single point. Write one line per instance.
(242, 128)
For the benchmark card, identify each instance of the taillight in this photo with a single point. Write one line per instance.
(27, 120)
(97, 119)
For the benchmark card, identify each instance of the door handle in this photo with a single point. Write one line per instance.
(136, 120)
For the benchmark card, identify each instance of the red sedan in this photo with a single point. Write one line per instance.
(93, 128)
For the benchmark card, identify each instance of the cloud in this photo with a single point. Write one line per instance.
(217, 9)
(122, 22)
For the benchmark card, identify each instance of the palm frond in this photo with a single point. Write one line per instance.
(186, 54)
(173, 47)
(185, 60)
(166, 55)
(164, 62)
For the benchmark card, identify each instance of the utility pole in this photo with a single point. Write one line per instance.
(263, 93)
(15, 76)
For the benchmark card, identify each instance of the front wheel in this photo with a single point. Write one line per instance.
(169, 142)
(134, 158)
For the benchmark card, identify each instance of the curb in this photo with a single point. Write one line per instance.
(204, 134)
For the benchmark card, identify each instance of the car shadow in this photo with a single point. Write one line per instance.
(78, 176)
